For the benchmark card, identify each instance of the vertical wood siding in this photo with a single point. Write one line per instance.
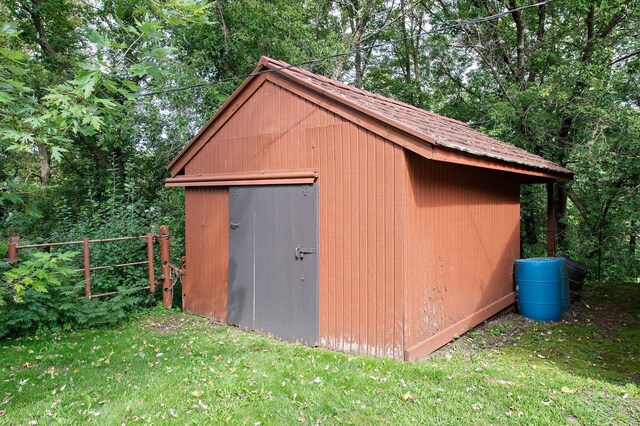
(464, 228)
(362, 187)
(207, 251)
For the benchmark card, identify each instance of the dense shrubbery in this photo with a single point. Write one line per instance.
(51, 298)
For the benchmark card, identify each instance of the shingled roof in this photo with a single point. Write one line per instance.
(435, 129)
(428, 127)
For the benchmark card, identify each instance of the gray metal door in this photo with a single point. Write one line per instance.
(273, 260)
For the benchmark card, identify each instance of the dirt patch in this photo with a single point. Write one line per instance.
(607, 308)
(499, 330)
(172, 323)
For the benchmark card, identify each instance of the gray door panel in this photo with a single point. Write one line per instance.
(241, 255)
(283, 287)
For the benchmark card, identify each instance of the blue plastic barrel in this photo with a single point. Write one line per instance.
(565, 294)
(539, 288)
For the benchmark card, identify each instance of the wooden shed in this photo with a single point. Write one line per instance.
(321, 213)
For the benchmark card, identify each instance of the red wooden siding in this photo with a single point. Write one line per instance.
(266, 133)
(464, 224)
(361, 234)
(361, 184)
(207, 251)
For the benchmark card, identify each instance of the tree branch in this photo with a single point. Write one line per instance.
(615, 20)
(520, 47)
(43, 41)
(622, 58)
(577, 202)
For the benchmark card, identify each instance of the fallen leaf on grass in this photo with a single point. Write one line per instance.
(408, 396)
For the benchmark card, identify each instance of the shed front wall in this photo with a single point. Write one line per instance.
(463, 235)
(361, 183)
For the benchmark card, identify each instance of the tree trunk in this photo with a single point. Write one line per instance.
(45, 167)
(560, 214)
(225, 32)
(358, 64)
(530, 232)
(407, 50)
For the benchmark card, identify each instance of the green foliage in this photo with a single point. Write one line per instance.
(567, 91)
(63, 308)
(39, 272)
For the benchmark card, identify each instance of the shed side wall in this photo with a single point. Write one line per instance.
(463, 237)
(361, 189)
(207, 251)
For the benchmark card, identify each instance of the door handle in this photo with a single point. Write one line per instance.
(234, 225)
(300, 252)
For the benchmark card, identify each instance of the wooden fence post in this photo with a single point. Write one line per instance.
(551, 224)
(152, 274)
(165, 257)
(12, 250)
(87, 268)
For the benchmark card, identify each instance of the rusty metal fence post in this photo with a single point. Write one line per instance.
(152, 275)
(14, 247)
(165, 258)
(12, 250)
(87, 268)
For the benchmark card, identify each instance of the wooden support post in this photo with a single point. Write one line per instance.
(87, 268)
(12, 250)
(551, 228)
(152, 274)
(165, 257)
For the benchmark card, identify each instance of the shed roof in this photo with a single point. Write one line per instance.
(429, 127)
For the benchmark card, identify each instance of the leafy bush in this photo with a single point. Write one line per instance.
(61, 307)
(38, 272)
(43, 293)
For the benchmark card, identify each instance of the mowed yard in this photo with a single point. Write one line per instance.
(168, 367)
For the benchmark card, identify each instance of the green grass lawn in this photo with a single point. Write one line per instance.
(168, 367)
